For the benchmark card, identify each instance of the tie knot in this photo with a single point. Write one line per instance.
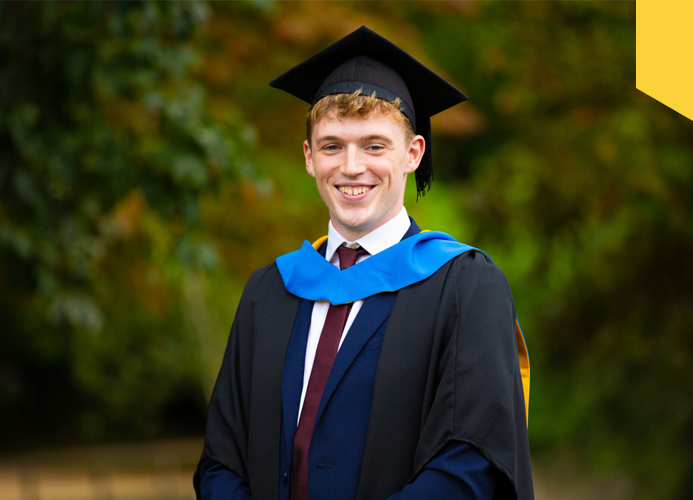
(348, 256)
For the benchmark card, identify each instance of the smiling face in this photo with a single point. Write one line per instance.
(360, 165)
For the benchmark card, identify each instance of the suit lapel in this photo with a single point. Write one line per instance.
(373, 312)
(294, 367)
(292, 380)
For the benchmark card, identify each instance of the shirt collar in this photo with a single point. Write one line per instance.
(374, 242)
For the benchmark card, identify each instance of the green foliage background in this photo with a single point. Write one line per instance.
(146, 169)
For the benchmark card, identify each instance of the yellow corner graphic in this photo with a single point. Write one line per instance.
(664, 52)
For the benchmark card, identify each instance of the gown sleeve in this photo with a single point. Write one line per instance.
(224, 460)
(219, 483)
(479, 398)
(458, 473)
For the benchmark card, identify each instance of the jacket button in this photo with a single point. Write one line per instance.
(285, 477)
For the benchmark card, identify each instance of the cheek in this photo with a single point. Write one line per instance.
(322, 178)
(388, 174)
(325, 167)
(319, 171)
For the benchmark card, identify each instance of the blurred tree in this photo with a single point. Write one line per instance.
(107, 140)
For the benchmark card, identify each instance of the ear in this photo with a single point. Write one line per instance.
(309, 158)
(415, 153)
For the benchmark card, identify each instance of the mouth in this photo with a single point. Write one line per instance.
(354, 191)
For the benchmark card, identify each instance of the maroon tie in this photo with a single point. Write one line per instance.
(324, 357)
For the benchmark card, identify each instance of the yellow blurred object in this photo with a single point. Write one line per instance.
(663, 45)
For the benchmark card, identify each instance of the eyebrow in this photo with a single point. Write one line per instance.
(367, 138)
(327, 138)
(376, 137)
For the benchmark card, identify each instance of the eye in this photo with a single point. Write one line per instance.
(375, 147)
(330, 147)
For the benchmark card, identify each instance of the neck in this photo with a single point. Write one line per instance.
(354, 233)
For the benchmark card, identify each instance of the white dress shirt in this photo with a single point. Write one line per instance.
(376, 241)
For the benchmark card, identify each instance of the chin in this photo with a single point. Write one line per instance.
(355, 222)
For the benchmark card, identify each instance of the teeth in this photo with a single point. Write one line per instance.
(354, 191)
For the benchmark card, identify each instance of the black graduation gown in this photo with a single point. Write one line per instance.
(448, 371)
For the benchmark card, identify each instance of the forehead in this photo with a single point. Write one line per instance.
(354, 126)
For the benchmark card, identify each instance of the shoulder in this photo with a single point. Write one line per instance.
(474, 274)
(260, 282)
(263, 277)
(255, 300)
(477, 264)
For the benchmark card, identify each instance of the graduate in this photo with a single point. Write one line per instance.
(381, 361)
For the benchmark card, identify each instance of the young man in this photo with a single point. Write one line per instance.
(381, 361)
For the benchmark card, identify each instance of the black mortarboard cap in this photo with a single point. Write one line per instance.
(365, 60)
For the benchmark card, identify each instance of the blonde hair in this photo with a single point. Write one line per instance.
(356, 103)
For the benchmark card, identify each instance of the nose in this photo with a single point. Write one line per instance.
(353, 164)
